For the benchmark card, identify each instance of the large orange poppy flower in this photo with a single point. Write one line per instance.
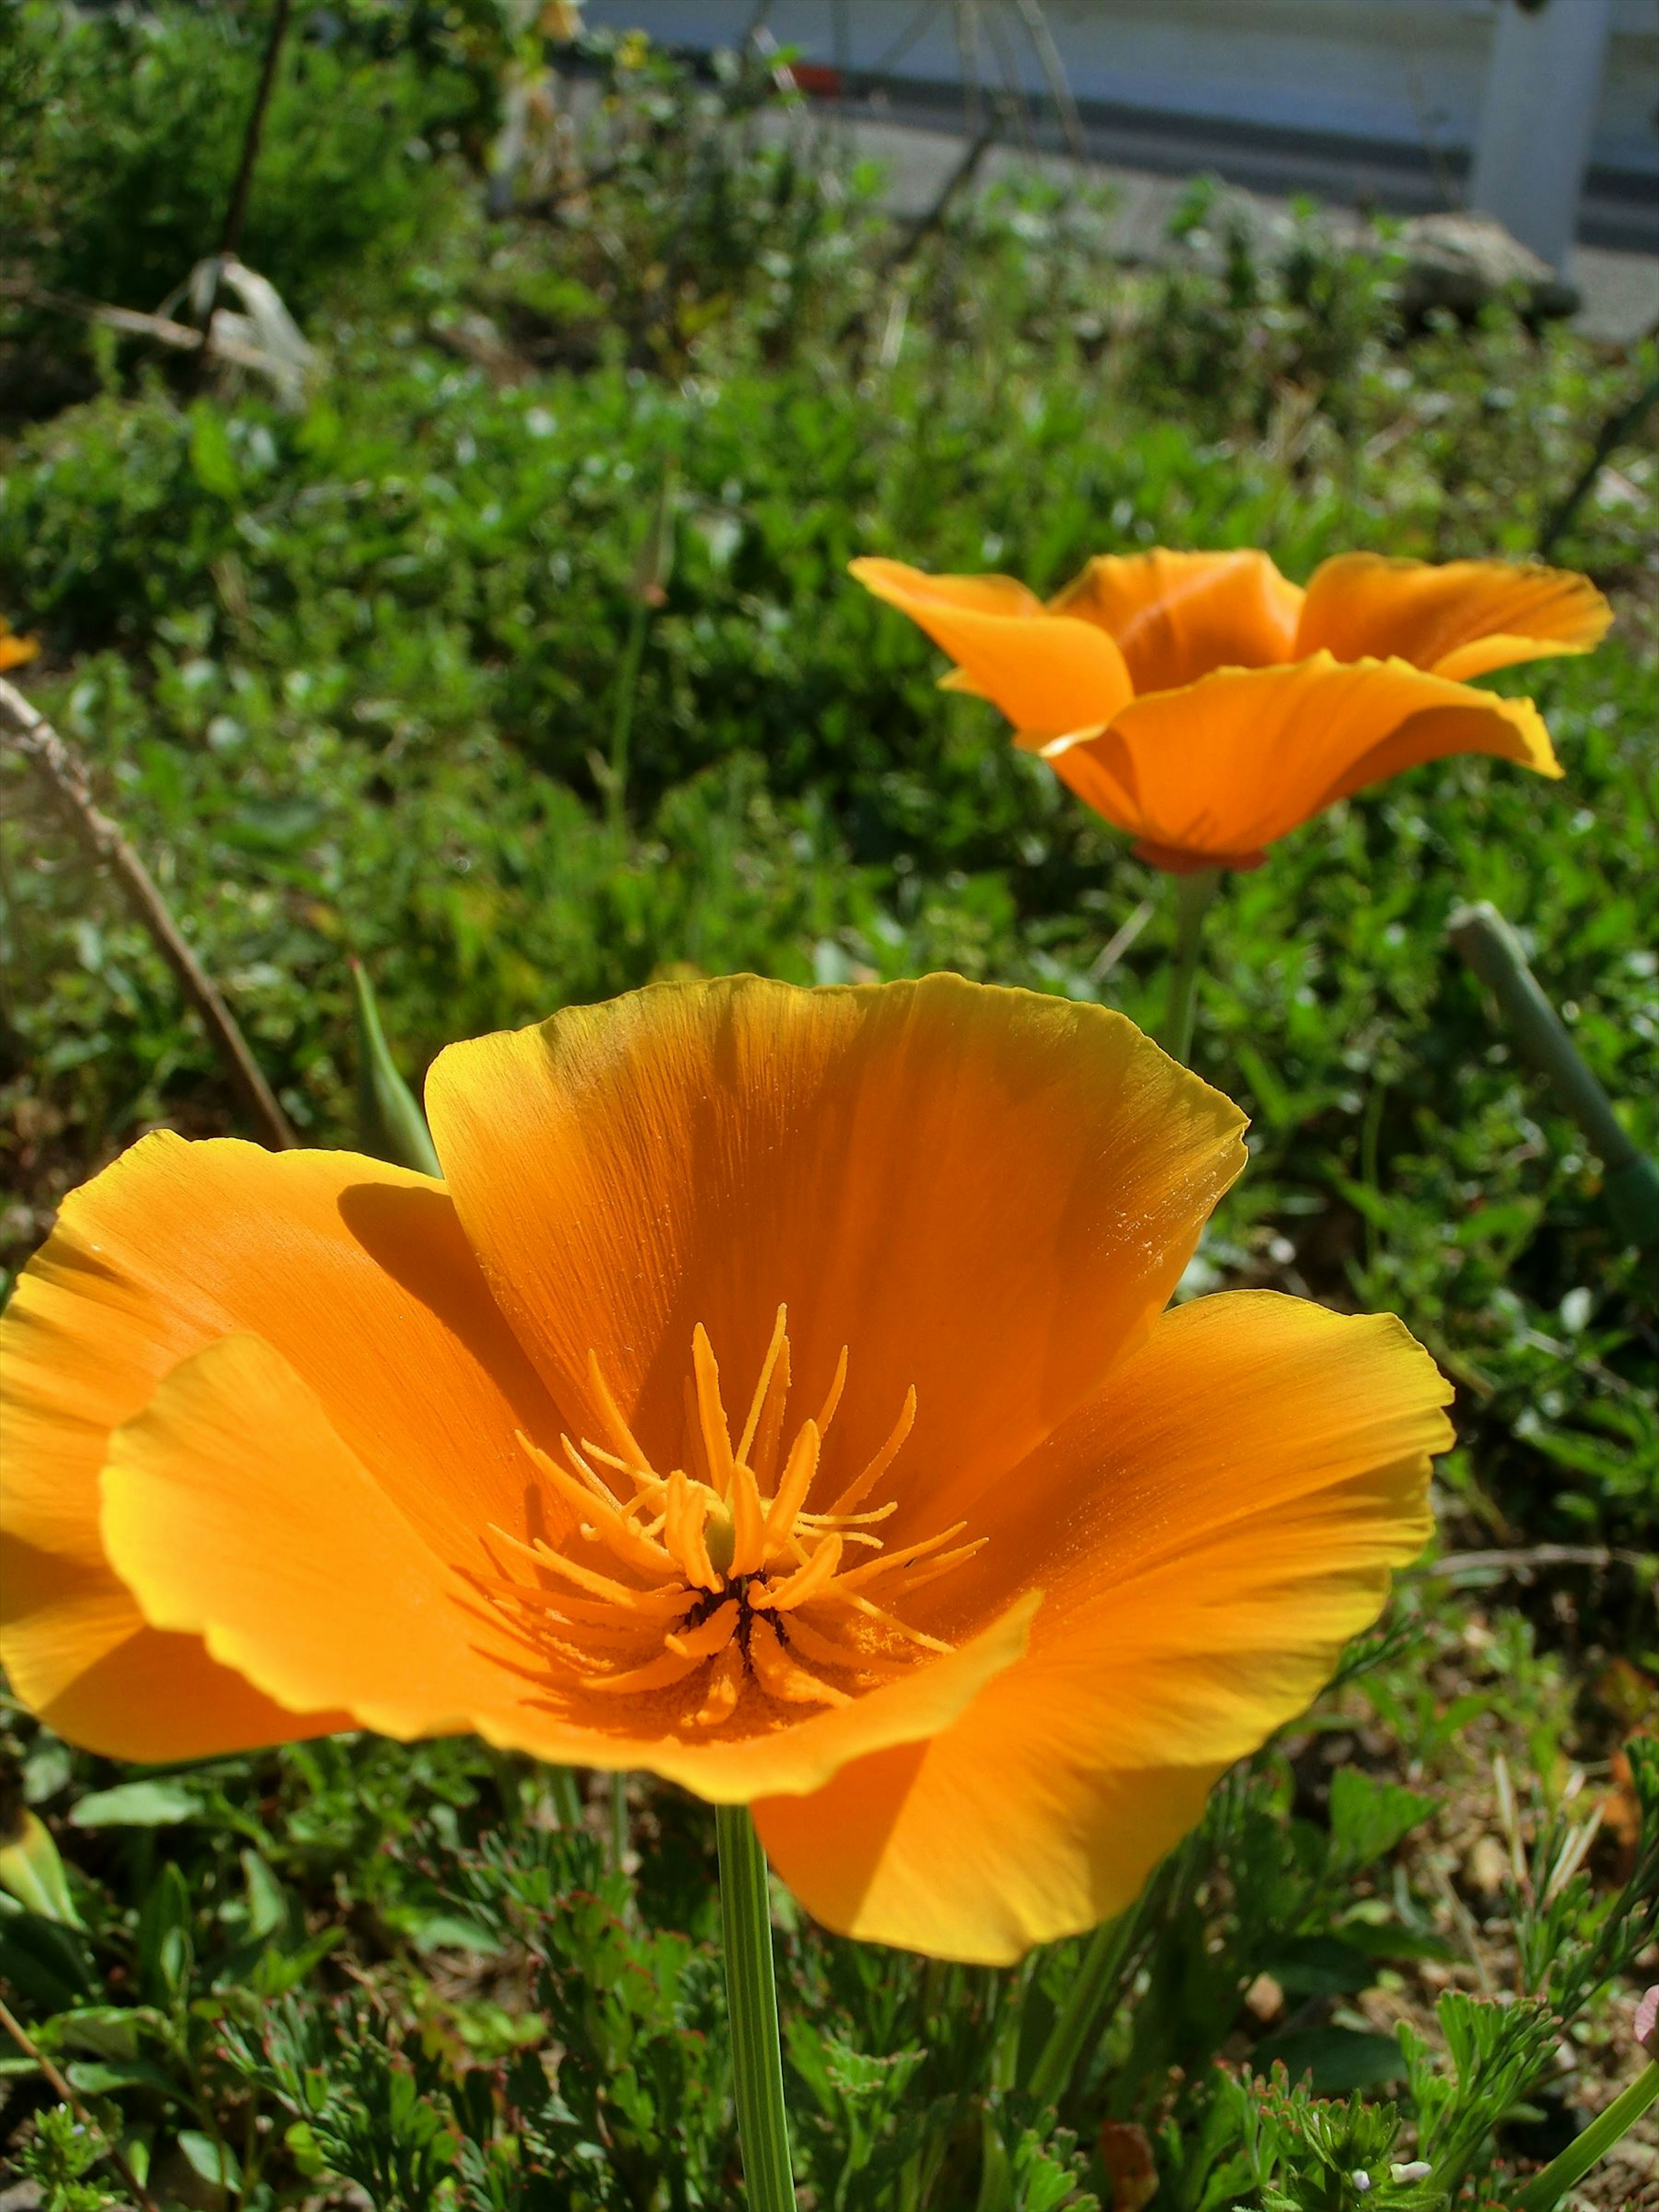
(1207, 705)
(777, 1395)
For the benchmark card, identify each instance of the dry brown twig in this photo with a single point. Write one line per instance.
(184, 336)
(66, 778)
(65, 2094)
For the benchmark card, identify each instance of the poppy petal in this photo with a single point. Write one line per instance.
(1241, 758)
(1457, 619)
(357, 1272)
(1177, 616)
(375, 1621)
(983, 1195)
(1047, 672)
(234, 1510)
(1238, 1493)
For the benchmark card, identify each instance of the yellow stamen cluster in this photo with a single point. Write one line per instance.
(724, 1582)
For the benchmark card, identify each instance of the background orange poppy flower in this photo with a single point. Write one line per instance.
(15, 650)
(777, 1395)
(1207, 705)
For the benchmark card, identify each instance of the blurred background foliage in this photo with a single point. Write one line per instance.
(353, 676)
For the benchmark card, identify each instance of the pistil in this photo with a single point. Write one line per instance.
(724, 1587)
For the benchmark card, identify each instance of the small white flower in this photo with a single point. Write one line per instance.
(1361, 2180)
(1415, 2169)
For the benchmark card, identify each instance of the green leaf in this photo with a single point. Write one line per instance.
(1369, 1817)
(1320, 1966)
(212, 462)
(215, 2162)
(97, 2077)
(390, 1123)
(42, 1960)
(164, 1937)
(136, 1805)
(267, 1906)
(32, 1871)
(278, 1972)
(1339, 2059)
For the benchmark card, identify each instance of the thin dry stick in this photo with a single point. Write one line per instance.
(66, 777)
(1611, 435)
(61, 2089)
(1054, 70)
(1526, 1564)
(162, 328)
(230, 240)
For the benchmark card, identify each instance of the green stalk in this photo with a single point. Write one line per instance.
(1631, 1182)
(1565, 2173)
(619, 1822)
(1195, 895)
(1098, 1977)
(390, 1122)
(566, 1795)
(622, 724)
(752, 1996)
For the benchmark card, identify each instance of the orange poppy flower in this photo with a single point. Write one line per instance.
(1207, 705)
(776, 1396)
(15, 650)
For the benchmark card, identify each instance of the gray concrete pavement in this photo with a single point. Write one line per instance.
(1620, 290)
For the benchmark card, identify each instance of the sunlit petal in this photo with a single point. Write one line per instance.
(1049, 673)
(1212, 1530)
(1457, 619)
(950, 1180)
(1177, 616)
(1218, 771)
(356, 1272)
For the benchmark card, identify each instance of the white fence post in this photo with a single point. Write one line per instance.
(1537, 118)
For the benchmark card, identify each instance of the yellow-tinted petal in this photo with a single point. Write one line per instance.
(1177, 616)
(1238, 758)
(1210, 1530)
(1049, 674)
(1459, 619)
(359, 1276)
(982, 1193)
(236, 1512)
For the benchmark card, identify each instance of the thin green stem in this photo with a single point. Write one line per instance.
(1195, 895)
(1565, 2173)
(1492, 950)
(1098, 1977)
(622, 721)
(619, 1823)
(566, 1796)
(752, 1996)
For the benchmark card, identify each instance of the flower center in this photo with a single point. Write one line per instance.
(720, 1584)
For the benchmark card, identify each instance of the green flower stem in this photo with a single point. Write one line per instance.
(622, 720)
(1563, 2173)
(619, 1823)
(1195, 895)
(1097, 1978)
(1492, 950)
(566, 1796)
(752, 1996)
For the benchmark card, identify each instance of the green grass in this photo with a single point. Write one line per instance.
(348, 676)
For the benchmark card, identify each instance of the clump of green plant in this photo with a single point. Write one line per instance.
(124, 132)
(677, 217)
(421, 1971)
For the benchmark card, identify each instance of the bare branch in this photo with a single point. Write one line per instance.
(66, 777)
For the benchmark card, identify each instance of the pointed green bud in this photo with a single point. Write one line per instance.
(390, 1124)
(32, 1873)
